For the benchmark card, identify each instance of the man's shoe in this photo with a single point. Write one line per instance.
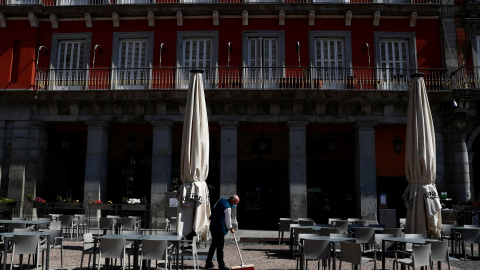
(223, 268)
(208, 266)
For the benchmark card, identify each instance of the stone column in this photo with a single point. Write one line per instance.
(228, 162)
(3, 138)
(365, 171)
(440, 181)
(97, 161)
(297, 169)
(460, 167)
(36, 163)
(161, 170)
(18, 160)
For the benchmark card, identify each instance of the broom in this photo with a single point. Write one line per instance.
(242, 265)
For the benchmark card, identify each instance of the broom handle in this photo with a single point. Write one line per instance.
(241, 260)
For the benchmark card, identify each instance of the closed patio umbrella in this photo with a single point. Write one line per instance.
(421, 198)
(194, 208)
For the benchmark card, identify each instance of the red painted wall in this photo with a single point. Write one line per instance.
(427, 32)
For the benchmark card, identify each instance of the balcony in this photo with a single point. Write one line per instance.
(144, 2)
(236, 78)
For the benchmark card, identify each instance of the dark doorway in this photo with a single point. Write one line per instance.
(394, 188)
(65, 168)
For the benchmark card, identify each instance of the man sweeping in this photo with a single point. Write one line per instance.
(220, 224)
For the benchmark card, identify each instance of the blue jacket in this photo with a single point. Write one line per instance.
(217, 219)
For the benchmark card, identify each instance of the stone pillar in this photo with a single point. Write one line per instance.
(365, 171)
(460, 167)
(36, 163)
(97, 161)
(3, 138)
(440, 181)
(297, 168)
(18, 160)
(228, 162)
(161, 170)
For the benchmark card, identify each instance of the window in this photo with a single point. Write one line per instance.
(132, 60)
(69, 61)
(395, 59)
(263, 54)
(330, 58)
(15, 60)
(197, 50)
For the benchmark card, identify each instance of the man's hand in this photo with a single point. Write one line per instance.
(232, 230)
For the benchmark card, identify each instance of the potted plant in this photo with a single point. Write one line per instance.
(134, 204)
(98, 204)
(6, 202)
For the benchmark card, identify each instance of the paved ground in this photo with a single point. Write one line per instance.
(258, 248)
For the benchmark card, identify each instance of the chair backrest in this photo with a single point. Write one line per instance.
(301, 236)
(284, 224)
(327, 231)
(128, 223)
(421, 255)
(173, 223)
(365, 235)
(112, 247)
(81, 219)
(88, 241)
(26, 244)
(471, 235)
(447, 230)
(342, 225)
(396, 231)
(154, 249)
(402, 222)
(66, 220)
(351, 252)
(306, 222)
(55, 236)
(439, 250)
(352, 220)
(115, 218)
(12, 226)
(299, 230)
(55, 225)
(44, 225)
(106, 223)
(18, 218)
(378, 241)
(315, 249)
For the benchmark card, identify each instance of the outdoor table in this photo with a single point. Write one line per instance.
(9, 236)
(416, 241)
(332, 242)
(26, 222)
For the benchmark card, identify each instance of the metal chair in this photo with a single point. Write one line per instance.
(315, 249)
(88, 248)
(189, 249)
(154, 250)
(128, 224)
(23, 245)
(55, 225)
(138, 222)
(326, 231)
(439, 252)
(446, 234)
(172, 224)
(365, 236)
(421, 256)
(352, 253)
(469, 236)
(82, 223)
(44, 226)
(342, 225)
(55, 241)
(12, 226)
(296, 232)
(129, 244)
(106, 224)
(396, 231)
(283, 225)
(377, 249)
(112, 248)
(67, 224)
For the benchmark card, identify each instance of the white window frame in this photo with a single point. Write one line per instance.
(210, 74)
(263, 84)
(387, 81)
(144, 83)
(335, 78)
(56, 39)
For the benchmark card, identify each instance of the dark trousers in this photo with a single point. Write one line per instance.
(218, 242)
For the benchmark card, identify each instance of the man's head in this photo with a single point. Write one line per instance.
(234, 200)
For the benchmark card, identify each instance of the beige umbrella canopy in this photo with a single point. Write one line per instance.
(421, 198)
(194, 208)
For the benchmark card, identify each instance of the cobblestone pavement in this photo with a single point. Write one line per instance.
(264, 256)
